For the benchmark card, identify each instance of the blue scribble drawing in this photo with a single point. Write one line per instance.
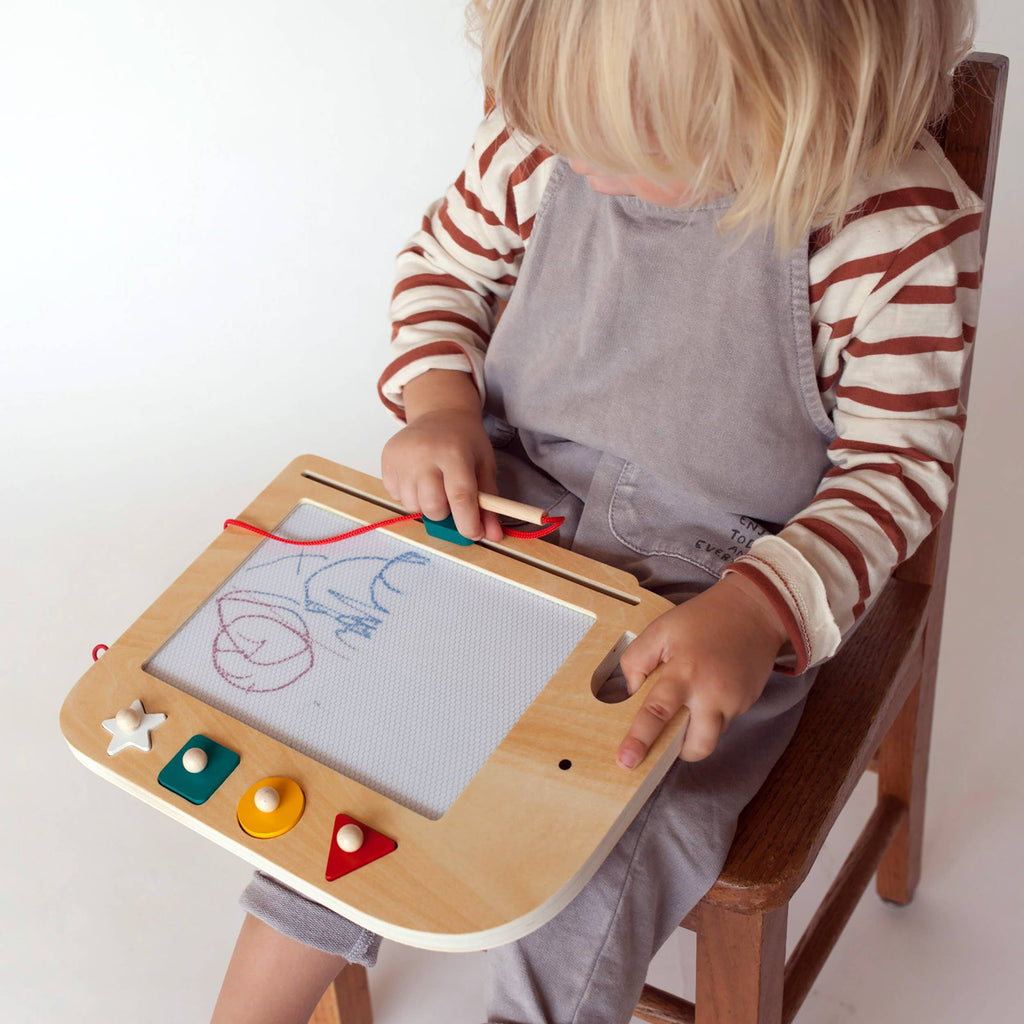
(353, 614)
(299, 560)
(265, 644)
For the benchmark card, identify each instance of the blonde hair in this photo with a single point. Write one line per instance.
(787, 103)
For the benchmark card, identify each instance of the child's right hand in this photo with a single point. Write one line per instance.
(443, 458)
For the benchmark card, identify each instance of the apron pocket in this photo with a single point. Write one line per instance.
(652, 517)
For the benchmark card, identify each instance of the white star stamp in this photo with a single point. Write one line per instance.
(131, 727)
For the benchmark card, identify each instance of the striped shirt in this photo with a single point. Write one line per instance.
(893, 299)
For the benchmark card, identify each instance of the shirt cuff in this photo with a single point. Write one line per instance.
(798, 596)
(438, 355)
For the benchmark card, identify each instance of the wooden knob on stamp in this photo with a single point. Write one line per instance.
(128, 719)
(267, 799)
(194, 760)
(353, 846)
(350, 838)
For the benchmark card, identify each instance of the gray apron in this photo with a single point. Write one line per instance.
(653, 381)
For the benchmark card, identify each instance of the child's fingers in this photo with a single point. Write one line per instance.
(463, 482)
(641, 658)
(465, 510)
(493, 530)
(440, 478)
(703, 731)
(462, 492)
(424, 493)
(487, 483)
(390, 479)
(662, 703)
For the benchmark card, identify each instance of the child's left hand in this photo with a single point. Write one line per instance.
(713, 654)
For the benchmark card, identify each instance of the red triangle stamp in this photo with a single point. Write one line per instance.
(354, 844)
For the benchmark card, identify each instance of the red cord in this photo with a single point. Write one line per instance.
(98, 651)
(553, 523)
(325, 540)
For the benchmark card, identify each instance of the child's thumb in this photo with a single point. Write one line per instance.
(640, 659)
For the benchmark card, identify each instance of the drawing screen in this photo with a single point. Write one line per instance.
(390, 663)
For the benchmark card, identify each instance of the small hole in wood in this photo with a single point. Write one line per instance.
(565, 764)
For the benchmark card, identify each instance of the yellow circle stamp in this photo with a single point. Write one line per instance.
(271, 807)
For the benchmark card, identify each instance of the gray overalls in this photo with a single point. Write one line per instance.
(653, 382)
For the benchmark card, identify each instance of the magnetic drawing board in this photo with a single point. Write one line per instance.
(437, 699)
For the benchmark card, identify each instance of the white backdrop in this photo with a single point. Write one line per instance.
(199, 208)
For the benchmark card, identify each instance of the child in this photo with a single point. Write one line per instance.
(741, 283)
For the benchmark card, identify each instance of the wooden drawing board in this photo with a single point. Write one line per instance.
(450, 707)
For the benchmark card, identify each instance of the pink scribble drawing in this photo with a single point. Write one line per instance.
(263, 645)
(260, 646)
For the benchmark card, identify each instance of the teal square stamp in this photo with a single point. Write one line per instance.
(198, 769)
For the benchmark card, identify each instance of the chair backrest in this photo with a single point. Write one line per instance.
(969, 137)
(970, 134)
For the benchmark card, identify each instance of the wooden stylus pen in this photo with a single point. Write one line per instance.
(513, 509)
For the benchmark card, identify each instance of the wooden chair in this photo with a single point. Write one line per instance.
(870, 708)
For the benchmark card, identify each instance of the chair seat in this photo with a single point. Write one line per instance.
(850, 708)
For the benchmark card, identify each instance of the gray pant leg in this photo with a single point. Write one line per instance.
(307, 922)
(588, 964)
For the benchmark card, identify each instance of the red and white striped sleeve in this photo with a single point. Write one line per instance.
(894, 299)
(464, 260)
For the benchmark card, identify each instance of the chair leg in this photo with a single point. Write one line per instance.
(741, 961)
(902, 773)
(347, 999)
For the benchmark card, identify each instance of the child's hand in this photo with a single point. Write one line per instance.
(713, 654)
(443, 458)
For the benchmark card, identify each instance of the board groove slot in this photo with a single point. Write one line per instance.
(508, 551)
